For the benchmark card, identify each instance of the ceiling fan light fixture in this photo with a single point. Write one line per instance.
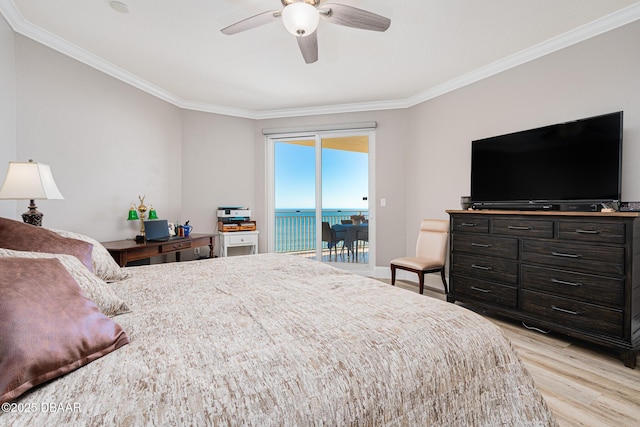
(300, 19)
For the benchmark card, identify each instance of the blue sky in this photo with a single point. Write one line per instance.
(344, 178)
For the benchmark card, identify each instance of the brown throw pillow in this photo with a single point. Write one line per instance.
(48, 327)
(20, 236)
(93, 287)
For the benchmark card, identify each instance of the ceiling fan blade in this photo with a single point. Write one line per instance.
(350, 16)
(309, 47)
(252, 22)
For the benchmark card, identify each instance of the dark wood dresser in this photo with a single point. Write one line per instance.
(577, 273)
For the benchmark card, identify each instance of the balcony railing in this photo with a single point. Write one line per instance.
(295, 230)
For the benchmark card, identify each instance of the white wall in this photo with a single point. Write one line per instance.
(106, 143)
(7, 110)
(597, 76)
(218, 167)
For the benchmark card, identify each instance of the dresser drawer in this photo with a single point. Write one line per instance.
(582, 287)
(602, 232)
(473, 224)
(572, 256)
(488, 292)
(479, 244)
(523, 227)
(497, 269)
(578, 314)
(175, 246)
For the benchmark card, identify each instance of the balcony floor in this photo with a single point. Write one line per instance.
(341, 257)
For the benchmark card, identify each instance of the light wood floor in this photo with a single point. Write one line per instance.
(583, 385)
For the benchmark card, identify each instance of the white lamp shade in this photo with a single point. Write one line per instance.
(29, 181)
(300, 19)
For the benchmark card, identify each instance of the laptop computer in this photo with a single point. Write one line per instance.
(157, 230)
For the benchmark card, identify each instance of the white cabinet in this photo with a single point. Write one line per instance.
(230, 239)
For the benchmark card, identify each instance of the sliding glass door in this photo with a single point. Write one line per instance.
(319, 197)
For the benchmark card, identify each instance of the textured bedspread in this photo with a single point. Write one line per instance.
(275, 340)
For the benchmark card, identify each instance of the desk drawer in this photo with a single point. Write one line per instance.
(175, 246)
(478, 244)
(573, 256)
(497, 269)
(578, 314)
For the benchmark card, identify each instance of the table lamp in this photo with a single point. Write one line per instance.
(30, 181)
(139, 212)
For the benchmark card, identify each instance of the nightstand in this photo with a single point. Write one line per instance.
(230, 239)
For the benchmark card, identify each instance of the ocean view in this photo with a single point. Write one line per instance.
(296, 228)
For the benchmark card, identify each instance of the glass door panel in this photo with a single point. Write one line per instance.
(345, 188)
(294, 193)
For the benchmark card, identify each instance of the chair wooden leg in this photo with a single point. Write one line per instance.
(393, 275)
(421, 280)
(444, 281)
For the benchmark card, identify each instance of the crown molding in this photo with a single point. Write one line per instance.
(607, 23)
(600, 26)
(23, 27)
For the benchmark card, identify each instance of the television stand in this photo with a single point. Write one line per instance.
(576, 273)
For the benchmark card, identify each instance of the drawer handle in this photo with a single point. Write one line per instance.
(480, 267)
(486, 291)
(563, 282)
(561, 254)
(480, 245)
(467, 224)
(517, 227)
(579, 231)
(564, 310)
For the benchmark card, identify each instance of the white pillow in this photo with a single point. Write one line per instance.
(104, 266)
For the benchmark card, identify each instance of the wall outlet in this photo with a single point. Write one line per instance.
(196, 251)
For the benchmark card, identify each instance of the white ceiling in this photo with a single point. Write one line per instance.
(173, 49)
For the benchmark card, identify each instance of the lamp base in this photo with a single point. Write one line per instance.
(33, 216)
(140, 239)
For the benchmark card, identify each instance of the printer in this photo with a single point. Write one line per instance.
(234, 218)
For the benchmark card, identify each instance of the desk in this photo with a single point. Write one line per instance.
(125, 251)
(230, 239)
(352, 233)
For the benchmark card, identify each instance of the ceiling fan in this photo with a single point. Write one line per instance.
(301, 18)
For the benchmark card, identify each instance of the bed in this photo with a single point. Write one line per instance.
(272, 339)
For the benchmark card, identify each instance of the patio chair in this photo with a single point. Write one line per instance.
(332, 238)
(362, 235)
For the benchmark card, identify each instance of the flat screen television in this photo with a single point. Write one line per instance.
(568, 166)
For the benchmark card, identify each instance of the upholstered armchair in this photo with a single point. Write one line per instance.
(431, 253)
